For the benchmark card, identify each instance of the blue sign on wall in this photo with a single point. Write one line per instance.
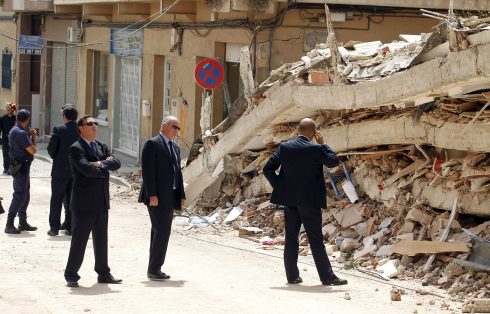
(127, 43)
(30, 45)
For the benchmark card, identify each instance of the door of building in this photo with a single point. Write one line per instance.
(130, 99)
(63, 81)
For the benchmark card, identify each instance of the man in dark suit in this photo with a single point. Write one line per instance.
(162, 191)
(90, 162)
(62, 137)
(7, 122)
(300, 187)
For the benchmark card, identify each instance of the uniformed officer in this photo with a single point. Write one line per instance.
(22, 142)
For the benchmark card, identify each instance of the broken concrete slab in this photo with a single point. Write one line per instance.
(350, 215)
(384, 250)
(246, 231)
(366, 251)
(412, 248)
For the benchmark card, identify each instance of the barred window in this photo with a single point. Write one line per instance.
(6, 73)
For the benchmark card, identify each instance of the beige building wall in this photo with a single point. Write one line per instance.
(8, 26)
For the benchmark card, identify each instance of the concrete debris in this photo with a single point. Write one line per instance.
(395, 294)
(413, 142)
(476, 306)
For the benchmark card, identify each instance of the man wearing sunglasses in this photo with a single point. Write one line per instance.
(91, 162)
(162, 191)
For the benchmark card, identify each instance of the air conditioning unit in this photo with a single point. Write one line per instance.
(73, 35)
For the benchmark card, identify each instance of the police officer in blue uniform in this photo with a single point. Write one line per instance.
(22, 142)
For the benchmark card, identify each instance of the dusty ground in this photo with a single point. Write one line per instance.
(211, 273)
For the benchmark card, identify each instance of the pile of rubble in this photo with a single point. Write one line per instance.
(392, 229)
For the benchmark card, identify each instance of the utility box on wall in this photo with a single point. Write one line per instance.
(146, 108)
(73, 35)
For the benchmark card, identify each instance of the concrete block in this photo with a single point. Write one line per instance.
(348, 245)
(419, 216)
(389, 269)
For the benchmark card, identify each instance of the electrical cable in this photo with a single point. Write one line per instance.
(339, 269)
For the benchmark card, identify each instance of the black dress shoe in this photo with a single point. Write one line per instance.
(158, 276)
(108, 279)
(53, 232)
(295, 281)
(336, 281)
(72, 283)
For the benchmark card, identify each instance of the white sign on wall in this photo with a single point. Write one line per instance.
(127, 43)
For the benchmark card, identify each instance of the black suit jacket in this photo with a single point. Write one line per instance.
(159, 171)
(90, 191)
(300, 181)
(62, 137)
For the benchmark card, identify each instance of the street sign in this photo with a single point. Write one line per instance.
(209, 73)
(30, 45)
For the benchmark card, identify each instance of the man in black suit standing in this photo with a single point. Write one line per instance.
(162, 191)
(62, 137)
(91, 162)
(300, 187)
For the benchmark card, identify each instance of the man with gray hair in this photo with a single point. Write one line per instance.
(162, 191)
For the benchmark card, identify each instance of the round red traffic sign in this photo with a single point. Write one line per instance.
(209, 73)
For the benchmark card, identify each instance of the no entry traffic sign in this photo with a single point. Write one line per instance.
(209, 73)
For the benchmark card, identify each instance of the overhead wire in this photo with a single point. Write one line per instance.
(101, 40)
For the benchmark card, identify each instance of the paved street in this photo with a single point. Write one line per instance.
(211, 273)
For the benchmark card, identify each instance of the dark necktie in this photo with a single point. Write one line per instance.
(174, 161)
(94, 148)
(172, 153)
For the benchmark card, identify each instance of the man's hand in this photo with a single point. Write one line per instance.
(319, 137)
(110, 158)
(97, 164)
(33, 132)
(153, 200)
(182, 201)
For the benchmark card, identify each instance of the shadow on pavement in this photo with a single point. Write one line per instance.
(95, 289)
(309, 289)
(166, 283)
(59, 238)
(22, 235)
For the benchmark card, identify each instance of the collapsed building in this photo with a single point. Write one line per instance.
(411, 123)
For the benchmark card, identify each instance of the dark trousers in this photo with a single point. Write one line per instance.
(161, 223)
(6, 157)
(82, 224)
(312, 221)
(21, 196)
(60, 194)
